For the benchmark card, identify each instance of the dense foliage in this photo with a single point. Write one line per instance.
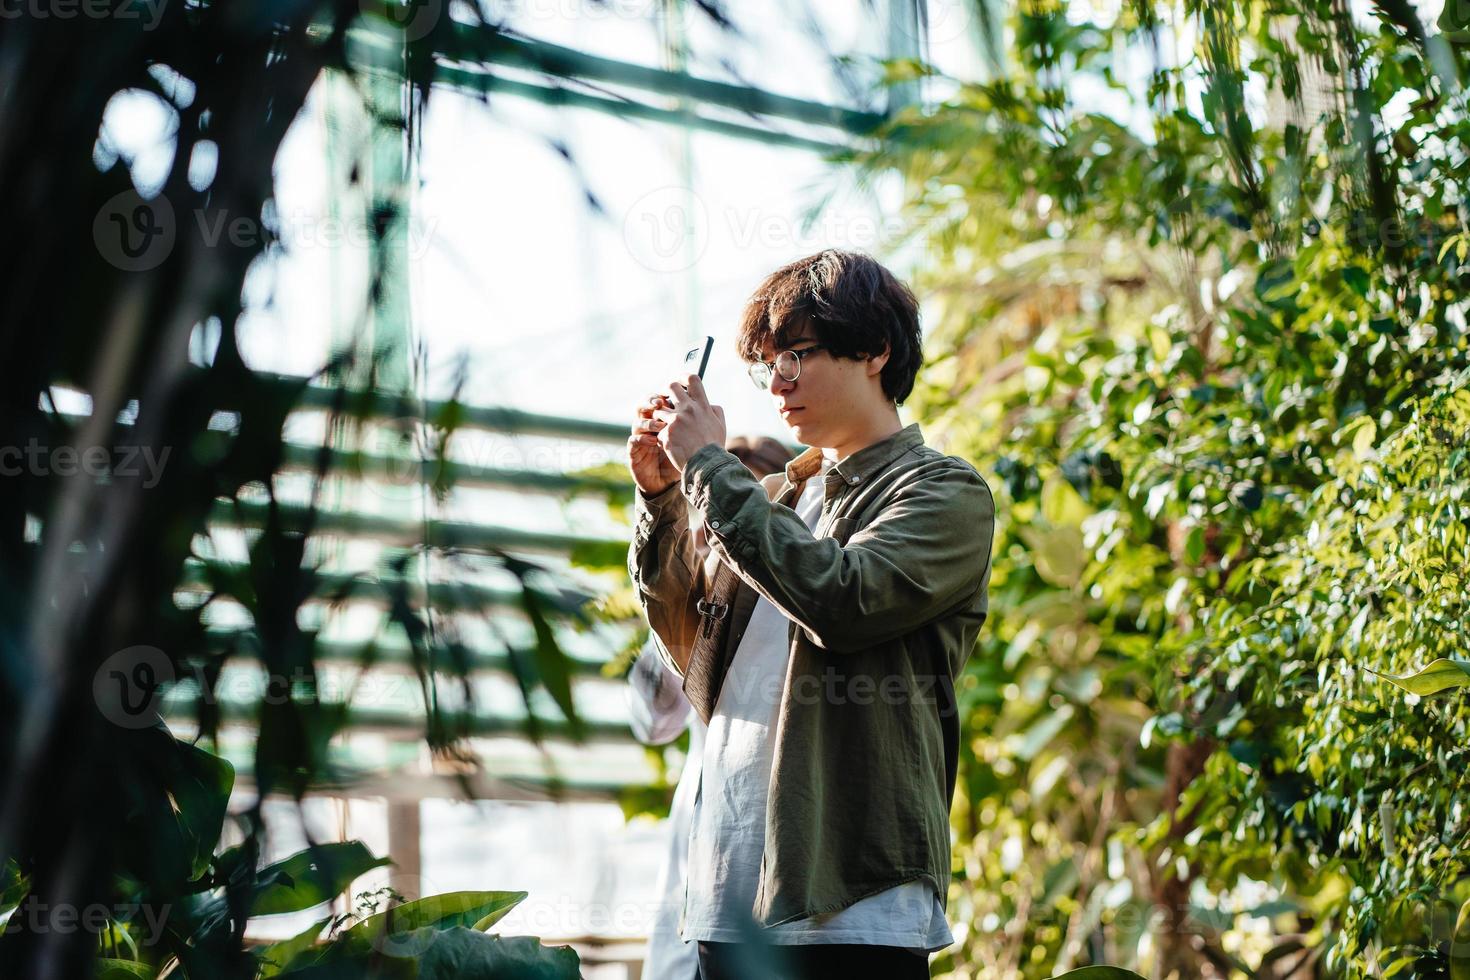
(1202, 278)
(128, 296)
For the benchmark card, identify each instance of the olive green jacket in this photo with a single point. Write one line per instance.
(885, 599)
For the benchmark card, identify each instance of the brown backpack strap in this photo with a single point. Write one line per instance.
(710, 658)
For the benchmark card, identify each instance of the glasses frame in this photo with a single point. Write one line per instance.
(761, 372)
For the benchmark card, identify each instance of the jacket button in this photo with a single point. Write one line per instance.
(852, 480)
(714, 524)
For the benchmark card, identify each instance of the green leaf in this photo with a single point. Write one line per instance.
(13, 886)
(1059, 554)
(1364, 438)
(278, 956)
(1194, 545)
(476, 910)
(1041, 733)
(110, 969)
(1061, 504)
(178, 803)
(316, 875)
(430, 954)
(463, 954)
(1459, 952)
(1441, 675)
(1357, 279)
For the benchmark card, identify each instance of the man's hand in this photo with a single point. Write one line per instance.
(691, 424)
(653, 471)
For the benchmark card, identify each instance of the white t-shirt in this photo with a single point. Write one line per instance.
(659, 712)
(729, 822)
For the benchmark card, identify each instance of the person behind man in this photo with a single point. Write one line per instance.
(821, 636)
(658, 712)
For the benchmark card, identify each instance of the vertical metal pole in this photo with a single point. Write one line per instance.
(367, 133)
(904, 34)
(675, 42)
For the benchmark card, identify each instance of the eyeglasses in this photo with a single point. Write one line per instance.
(787, 365)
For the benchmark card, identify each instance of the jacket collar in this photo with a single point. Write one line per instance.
(861, 465)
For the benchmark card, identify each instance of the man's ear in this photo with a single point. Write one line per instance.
(877, 361)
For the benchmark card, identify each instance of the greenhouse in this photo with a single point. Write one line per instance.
(672, 489)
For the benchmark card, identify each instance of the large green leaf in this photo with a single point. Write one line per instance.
(177, 804)
(464, 954)
(1441, 675)
(450, 954)
(316, 875)
(475, 910)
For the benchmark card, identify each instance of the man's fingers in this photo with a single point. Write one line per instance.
(651, 404)
(646, 426)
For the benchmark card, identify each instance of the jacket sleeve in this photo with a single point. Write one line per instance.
(666, 570)
(926, 553)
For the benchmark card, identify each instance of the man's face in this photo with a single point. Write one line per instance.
(825, 396)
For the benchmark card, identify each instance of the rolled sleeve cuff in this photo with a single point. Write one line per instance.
(651, 512)
(699, 471)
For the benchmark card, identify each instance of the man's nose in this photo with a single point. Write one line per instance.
(779, 385)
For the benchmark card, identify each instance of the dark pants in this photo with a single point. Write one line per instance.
(817, 961)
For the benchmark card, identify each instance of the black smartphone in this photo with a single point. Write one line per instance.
(696, 359)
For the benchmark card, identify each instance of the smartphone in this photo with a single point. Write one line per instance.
(696, 359)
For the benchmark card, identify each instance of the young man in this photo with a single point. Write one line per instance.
(819, 638)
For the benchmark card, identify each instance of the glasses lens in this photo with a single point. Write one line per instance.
(788, 365)
(760, 373)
